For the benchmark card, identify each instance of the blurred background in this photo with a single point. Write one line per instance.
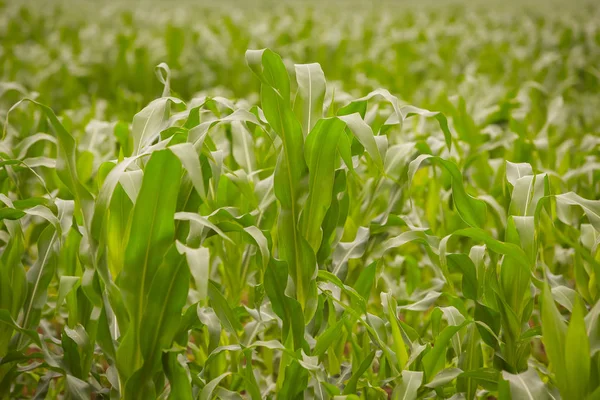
(98, 59)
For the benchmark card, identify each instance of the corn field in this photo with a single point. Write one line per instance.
(299, 200)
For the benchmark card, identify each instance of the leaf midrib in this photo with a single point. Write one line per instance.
(309, 99)
(292, 193)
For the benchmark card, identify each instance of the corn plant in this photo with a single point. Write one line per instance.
(303, 243)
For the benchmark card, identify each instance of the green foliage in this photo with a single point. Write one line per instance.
(266, 229)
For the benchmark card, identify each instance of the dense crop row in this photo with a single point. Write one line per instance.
(259, 231)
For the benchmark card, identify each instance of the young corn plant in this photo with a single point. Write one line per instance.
(306, 245)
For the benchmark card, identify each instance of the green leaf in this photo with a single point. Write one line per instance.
(78, 389)
(444, 377)
(223, 310)
(66, 286)
(363, 367)
(407, 389)
(308, 105)
(592, 319)
(320, 153)
(463, 263)
(345, 251)
(486, 377)
(554, 331)
(243, 150)
(507, 249)
(577, 355)
(200, 221)
(434, 360)
(364, 283)
(514, 275)
(7, 319)
(526, 385)
(207, 391)
(287, 308)
(166, 298)
(591, 208)
(178, 373)
(527, 192)
(198, 261)
(39, 277)
(364, 134)
(149, 122)
(409, 111)
(471, 360)
(152, 233)
(471, 210)
(515, 171)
